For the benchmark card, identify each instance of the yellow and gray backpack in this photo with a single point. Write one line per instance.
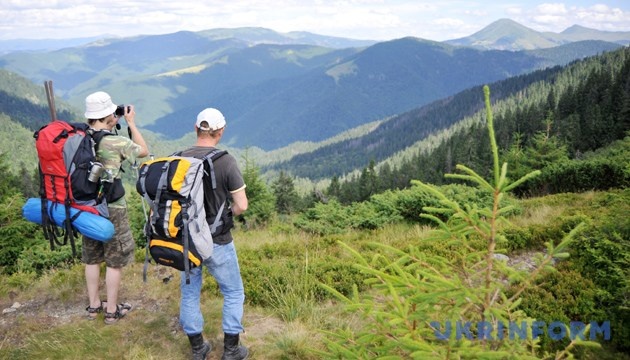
(177, 232)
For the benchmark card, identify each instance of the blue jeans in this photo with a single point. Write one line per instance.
(223, 266)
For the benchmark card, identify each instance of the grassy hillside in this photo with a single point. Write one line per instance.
(329, 281)
(285, 310)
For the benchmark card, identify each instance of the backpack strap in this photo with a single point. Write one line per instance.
(97, 136)
(142, 176)
(162, 185)
(210, 158)
(217, 220)
(115, 188)
(185, 238)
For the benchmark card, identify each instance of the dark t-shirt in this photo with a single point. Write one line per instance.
(229, 179)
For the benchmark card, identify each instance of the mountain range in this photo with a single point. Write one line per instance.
(506, 34)
(276, 89)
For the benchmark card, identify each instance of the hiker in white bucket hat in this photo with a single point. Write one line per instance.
(102, 116)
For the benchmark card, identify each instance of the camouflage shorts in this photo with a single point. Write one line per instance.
(117, 252)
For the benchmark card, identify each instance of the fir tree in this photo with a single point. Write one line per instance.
(453, 275)
(261, 200)
(287, 198)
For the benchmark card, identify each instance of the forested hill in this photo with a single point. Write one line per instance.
(25, 103)
(524, 102)
(402, 131)
(552, 125)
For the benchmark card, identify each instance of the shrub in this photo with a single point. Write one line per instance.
(536, 235)
(338, 273)
(16, 233)
(365, 216)
(324, 219)
(605, 259)
(40, 258)
(564, 296)
(580, 176)
(517, 238)
(411, 202)
(136, 209)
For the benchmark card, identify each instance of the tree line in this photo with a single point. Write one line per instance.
(559, 119)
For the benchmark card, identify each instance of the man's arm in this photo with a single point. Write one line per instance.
(239, 202)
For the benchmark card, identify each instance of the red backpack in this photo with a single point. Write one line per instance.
(67, 155)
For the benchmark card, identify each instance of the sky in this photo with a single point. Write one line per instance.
(437, 20)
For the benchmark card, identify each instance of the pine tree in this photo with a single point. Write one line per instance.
(261, 200)
(334, 189)
(545, 149)
(368, 182)
(287, 198)
(28, 186)
(452, 276)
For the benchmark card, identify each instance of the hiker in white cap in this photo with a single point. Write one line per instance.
(223, 265)
(102, 116)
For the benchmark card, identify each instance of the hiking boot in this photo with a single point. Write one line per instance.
(200, 348)
(232, 350)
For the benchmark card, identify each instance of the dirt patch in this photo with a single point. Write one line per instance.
(31, 316)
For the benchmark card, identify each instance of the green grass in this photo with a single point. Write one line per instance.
(286, 312)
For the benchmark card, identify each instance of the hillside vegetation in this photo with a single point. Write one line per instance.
(283, 314)
(376, 264)
(365, 280)
(402, 147)
(580, 108)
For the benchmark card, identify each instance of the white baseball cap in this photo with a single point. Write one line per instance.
(213, 117)
(98, 105)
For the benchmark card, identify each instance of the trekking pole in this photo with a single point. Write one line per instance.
(50, 96)
(142, 200)
(146, 219)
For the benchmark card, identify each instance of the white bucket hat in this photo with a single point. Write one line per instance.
(213, 117)
(99, 105)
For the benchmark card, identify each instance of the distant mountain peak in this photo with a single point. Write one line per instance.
(507, 34)
(503, 22)
(574, 29)
(503, 28)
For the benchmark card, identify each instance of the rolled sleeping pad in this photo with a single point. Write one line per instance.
(91, 225)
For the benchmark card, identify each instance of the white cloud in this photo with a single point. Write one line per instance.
(515, 11)
(366, 19)
(552, 9)
(449, 22)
